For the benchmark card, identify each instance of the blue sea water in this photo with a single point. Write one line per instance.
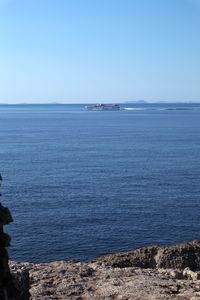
(82, 184)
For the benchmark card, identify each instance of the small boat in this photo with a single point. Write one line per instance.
(100, 107)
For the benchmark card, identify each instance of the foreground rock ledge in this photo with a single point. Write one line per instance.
(147, 273)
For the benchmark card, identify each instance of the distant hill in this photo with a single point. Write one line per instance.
(137, 101)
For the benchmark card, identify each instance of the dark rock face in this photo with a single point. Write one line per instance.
(180, 256)
(172, 257)
(8, 282)
(6, 285)
(141, 258)
(20, 279)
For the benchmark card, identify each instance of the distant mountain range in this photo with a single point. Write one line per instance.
(122, 102)
(159, 102)
(137, 101)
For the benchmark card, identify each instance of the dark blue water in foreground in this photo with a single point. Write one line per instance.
(81, 184)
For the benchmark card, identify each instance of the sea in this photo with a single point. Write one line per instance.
(81, 184)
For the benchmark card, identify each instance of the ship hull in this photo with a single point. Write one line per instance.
(103, 107)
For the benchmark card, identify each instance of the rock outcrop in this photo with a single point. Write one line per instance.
(175, 257)
(10, 283)
(151, 273)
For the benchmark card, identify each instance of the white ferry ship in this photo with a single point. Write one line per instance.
(100, 107)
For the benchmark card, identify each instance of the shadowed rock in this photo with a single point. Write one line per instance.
(180, 256)
(10, 283)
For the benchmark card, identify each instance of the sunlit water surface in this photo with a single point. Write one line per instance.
(81, 184)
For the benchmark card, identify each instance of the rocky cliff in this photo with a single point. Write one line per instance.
(148, 273)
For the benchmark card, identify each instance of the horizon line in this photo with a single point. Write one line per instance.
(111, 102)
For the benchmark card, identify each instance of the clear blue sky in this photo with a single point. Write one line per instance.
(99, 50)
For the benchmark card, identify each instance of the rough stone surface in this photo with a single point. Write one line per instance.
(20, 279)
(175, 257)
(147, 274)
